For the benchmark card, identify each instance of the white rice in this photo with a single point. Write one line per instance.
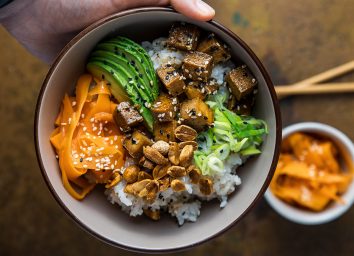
(185, 206)
(161, 55)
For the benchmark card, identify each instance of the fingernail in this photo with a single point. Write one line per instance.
(203, 7)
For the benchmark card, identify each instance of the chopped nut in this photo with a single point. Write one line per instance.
(129, 189)
(177, 185)
(131, 173)
(144, 175)
(194, 144)
(116, 178)
(137, 187)
(146, 163)
(173, 153)
(152, 214)
(185, 133)
(194, 174)
(152, 189)
(164, 183)
(160, 171)
(186, 155)
(161, 146)
(176, 171)
(205, 186)
(154, 155)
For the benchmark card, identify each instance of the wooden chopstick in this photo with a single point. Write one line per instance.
(321, 77)
(284, 90)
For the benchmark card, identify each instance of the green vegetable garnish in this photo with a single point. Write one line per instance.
(231, 133)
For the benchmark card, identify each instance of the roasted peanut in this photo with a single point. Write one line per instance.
(205, 186)
(138, 186)
(185, 133)
(160, 171)
(150, 191)
(152, 214)
(194, 174)
(131, 173)
(154, 155)
(177, 185)
(164, 183)
(194, 144)
(186, 155)
(144, 175)
(115, 179)
(161, 146)
(146, 163)
(129, 189)
(176, 171)
(173, 153)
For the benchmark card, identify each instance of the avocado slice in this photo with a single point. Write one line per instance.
(136, 59)
(120, 86)
(139, 49)
(122, 65)
(129, 69)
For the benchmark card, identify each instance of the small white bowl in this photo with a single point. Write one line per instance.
(332, 211)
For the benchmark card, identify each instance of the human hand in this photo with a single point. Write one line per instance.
(44, 27)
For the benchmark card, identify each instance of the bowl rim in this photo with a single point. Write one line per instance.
(252, 55)
(316, 218)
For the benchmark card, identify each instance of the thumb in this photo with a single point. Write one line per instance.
(195, 9)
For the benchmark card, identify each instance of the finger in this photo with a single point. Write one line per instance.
(195, 9)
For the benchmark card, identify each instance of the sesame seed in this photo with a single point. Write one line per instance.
(94, 128)
(56, 156)
(92, 119)
(73, 103)
(63, 123)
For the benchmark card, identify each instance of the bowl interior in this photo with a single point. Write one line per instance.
(95, 213)
(334, 209)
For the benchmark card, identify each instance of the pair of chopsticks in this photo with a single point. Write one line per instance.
(314, 85)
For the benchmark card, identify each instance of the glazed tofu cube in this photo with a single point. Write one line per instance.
(242, 107)
(163, 108)
(196, 113)
(126, 116)
(165, 131)
(197, 66)
(184, 37)
(171, 79)
(193, 91)
(240, 82)
(135, 144)
(210, 87)
(215, 48)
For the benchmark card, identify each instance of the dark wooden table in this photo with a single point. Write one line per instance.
(294, 39)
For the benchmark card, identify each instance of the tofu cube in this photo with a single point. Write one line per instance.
(197, 66)
(135, 144)
(126, 116)
(196, 114)
(240, 82)
(193, 91)
(165, 131)
(215, 48)
(171, 79)
(163, 108)
(242, 107)
(183, 37)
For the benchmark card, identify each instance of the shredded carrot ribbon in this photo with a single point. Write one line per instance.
(309, 174)
(86, 138)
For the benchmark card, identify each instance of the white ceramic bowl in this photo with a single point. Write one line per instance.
(95, 214)
(334, 210)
